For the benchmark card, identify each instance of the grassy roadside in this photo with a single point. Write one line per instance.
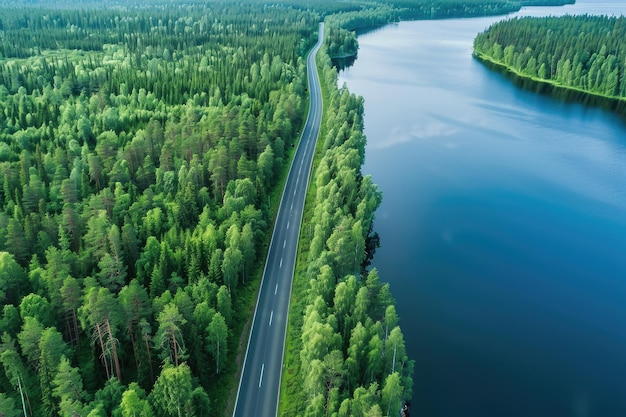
(291, 394)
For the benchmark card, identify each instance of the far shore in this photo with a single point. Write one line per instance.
(617, 103)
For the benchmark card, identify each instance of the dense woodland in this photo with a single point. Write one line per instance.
(351, 358)
(139, 147)
(581, 52)
(137, 153)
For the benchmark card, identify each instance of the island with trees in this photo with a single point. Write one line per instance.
(584, 54)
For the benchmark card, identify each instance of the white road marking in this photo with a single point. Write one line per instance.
(276, 289)
(287, 225)
(294, 192)
(281, 263)
(261, 377)
(271, 315)
(291, 206)
(284, 244)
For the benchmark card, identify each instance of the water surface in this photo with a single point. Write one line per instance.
(503, 226)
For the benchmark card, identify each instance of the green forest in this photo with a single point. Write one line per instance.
(580, 52)
(347, 352)
(138, 151)
(142, 153)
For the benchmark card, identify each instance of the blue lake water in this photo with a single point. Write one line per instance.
(503, 226)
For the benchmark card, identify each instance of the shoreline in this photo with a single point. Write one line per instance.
(560, 91)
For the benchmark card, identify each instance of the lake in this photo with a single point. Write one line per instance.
(503, 226)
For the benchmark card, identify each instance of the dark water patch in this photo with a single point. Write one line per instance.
(342, 63)
(372, 29)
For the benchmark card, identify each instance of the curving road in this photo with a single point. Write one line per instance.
(262, 367)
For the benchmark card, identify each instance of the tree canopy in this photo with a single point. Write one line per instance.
(580, 52)
(138, 147)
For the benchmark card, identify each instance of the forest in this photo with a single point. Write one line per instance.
(138, 151)
(345, 341)
(580, 52)
(140, 147)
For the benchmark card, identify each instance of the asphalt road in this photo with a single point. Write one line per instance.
(259, 386)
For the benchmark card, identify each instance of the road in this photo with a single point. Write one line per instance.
(262, 367)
